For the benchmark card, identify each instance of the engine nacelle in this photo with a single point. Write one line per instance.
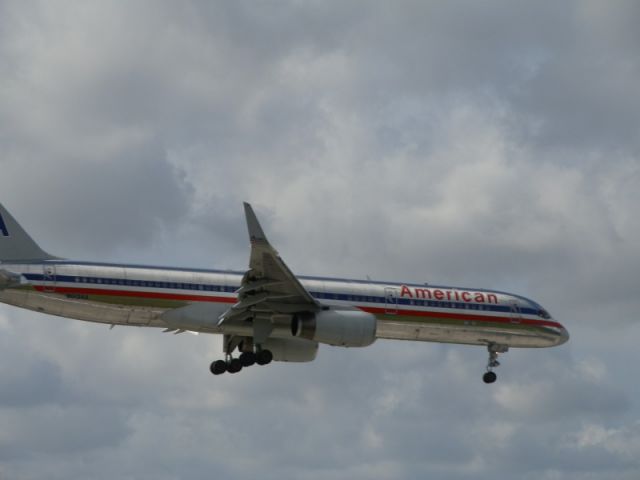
(291, 349)
(343, 328)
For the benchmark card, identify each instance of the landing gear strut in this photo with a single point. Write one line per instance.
(494, 350)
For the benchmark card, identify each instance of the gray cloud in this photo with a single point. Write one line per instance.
(489, 144)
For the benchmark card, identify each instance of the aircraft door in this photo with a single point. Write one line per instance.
(390, 300)
(515, 314)
(49, 277)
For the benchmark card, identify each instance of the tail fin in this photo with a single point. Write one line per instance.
(15, 243)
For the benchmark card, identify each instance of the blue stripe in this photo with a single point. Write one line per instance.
(129, 283)
(3, 227)
(302, 277)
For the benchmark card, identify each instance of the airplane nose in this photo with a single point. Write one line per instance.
(564, 336)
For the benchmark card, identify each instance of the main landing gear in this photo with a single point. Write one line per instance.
(249, 356)
(494, 350)
(246, 359)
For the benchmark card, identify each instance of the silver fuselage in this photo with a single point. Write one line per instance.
(142, 296)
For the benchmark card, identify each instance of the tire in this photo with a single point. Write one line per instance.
(234, 365)
(218, 367)
(247, 359)
(264, 357)
(489, 377)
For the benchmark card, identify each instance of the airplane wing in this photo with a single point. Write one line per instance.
(268, 288)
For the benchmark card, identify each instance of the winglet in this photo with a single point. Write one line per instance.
(256, 235)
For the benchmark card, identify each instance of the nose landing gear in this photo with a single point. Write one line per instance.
(489, 377)
(494, 350)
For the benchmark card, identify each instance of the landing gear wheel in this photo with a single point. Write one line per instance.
(494, 350)
(264, 357)
(247, 359)
(218, 367)
(234, 365)
(489, 377)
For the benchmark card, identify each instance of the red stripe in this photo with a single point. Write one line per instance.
(373, 310)
(462, 316)
(138, 294)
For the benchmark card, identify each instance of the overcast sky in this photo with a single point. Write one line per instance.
(478, 143)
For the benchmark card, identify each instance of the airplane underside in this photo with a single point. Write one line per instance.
(390, 327)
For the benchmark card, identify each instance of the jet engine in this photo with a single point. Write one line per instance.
(343, 328)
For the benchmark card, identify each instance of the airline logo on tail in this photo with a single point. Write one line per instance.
(3, 228)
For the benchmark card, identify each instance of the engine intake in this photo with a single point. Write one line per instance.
(342, 328)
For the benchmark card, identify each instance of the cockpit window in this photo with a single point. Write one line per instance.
(543, 313)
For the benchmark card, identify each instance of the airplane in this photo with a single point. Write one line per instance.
(267, 313)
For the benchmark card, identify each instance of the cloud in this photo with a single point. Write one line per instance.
(487, 144)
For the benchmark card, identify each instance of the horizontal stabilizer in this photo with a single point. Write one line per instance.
(197, 316)
(9, 279)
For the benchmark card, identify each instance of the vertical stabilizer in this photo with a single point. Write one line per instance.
(15, 244)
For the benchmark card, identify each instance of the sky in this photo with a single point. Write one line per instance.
(491, 144)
